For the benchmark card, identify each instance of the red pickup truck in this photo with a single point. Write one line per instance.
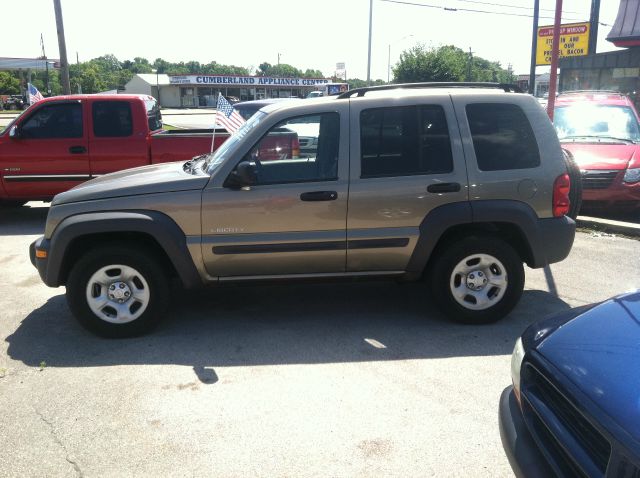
(64, 140)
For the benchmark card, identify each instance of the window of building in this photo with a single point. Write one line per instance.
(502, 137)
(112, 119)
(300, 149)
(404, 141)
(62, 120)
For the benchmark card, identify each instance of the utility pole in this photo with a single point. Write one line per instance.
(469, 65)
(62, 45)
(46, 65)
(593, 29)
(370, 31)
(555, 53)
(534, 47)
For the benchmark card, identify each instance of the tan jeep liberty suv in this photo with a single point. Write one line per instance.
(456, 185)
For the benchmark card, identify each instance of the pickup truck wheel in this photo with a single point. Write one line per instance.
(118, 291)
(477, 280)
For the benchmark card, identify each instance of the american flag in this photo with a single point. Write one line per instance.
(34, 94)
(227, 116)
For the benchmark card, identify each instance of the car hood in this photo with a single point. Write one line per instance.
(157, 178)
(599, 351)
(604, 156)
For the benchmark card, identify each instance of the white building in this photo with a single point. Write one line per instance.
(195, 91)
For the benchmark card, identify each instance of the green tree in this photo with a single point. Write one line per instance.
(161, 65)
(9, 84)
(138, 65)
(358, 83)
(309, 73)
(445, 63)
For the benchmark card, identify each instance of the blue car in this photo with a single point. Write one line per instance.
(574, 407)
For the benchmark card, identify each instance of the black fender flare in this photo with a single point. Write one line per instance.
(547, 240)
(161, 227)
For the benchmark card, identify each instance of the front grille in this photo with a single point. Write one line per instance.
(586, 435)
(595, 179)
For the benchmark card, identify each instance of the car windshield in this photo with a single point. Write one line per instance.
(12, 122)
(596, 121)
(231, 144)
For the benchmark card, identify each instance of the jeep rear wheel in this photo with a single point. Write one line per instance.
(118, 291)
(477, 280)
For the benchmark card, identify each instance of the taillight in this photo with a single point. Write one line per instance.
(295, 148)
(561, 201)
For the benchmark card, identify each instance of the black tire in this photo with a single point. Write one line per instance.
(575, 192)
(119, 255)
(441, 276)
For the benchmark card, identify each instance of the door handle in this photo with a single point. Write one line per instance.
(77, 149)
(444, 188)
(319, 196)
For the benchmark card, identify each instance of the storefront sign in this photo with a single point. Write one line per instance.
(574, 41)
(244, 81)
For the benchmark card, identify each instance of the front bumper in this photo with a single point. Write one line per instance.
(524, 456)
(617, 192)
(40, 263)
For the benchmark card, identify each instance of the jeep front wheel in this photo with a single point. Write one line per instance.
(477, 280)
(117, 291)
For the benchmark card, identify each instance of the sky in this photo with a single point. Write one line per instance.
(306, 34)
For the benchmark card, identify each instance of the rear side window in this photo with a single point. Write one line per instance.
(404, 141)
(112, 119)
(154, 117)
(502, 137)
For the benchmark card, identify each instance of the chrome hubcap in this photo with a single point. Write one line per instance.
(117, 294)
(478, 281)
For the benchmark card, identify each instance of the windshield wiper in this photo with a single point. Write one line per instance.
(597, 137)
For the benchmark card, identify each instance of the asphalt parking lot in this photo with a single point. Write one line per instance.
(343, 380)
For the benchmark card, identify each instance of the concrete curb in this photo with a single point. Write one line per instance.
(608, 225)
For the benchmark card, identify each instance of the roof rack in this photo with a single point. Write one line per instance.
(508, 88)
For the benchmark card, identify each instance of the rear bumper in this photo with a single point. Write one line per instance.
(524, 456)
(554, 240)
(40, 263)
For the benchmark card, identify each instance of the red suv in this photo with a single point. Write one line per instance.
(601, 129)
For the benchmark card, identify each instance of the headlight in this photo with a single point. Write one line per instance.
(516, 364)
(631, 175)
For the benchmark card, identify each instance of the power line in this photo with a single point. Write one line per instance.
(511, 6)
(471, 10)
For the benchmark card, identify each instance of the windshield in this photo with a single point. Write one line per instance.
(13, 121)
(596, 121)
(230, 145)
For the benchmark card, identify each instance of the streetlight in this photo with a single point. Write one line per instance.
(389, 56)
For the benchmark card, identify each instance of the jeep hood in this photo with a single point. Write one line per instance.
(154, 179)
(604, 156)
(599, 351)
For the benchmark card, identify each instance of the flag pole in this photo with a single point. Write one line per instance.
(215, 118)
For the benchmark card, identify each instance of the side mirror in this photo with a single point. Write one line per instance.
(245, 174)
(15, 133)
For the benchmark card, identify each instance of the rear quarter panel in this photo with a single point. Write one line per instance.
(533, 186)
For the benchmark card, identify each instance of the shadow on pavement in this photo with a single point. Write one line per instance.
(296, 324)
(24, 220)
